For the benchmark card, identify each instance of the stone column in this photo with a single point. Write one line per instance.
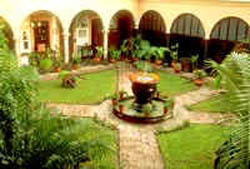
(105, 43)
(136, 29)
(66, 47)
(17, 51)
(17, 40)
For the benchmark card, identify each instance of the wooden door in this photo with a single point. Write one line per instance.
(41, 33)
(96, 33)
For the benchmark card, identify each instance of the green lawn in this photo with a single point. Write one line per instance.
(100, 158)
(217, 104)
(171, 84)
(192, 147)
(92, 89)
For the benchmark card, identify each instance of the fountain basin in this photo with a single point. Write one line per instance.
(133, 112)
(144, 86)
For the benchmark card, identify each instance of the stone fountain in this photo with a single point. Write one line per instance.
(146, 106)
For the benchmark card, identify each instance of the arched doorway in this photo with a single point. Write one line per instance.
(225, 35)
(121, 28)
(40, 31)
(152, 28)
(188, 32)
(5, 27)
(86, 33)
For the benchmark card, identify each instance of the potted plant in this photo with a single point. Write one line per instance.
(177, 67)
(34, 59)
(114, 55)
(186, 64)
(46, 64)
(99, 53)
(174, 54)
(168, 105)
(194, 61)
(57, 65)
(159, 52)
(87, 52)
(199, 76)
(141, 49)
(126, 48)
(69, 80)
(76, 61)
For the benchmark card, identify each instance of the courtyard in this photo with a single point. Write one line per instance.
(128, 87)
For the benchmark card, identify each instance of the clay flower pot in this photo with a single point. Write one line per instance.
(177, 68)
(112, 60)
(97, 59)
(173, 63)
(158, 62)
(75, 67)
(198, 82)
(58, 69)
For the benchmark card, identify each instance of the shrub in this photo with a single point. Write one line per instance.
(46, 64)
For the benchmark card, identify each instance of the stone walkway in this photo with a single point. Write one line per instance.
(86, 69)
(138, 147)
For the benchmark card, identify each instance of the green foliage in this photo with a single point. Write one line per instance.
(34, 58)
(143, 66)
(63, 74)
(234, 75)
(77, 58)
(147, 109)
(169, 103)
(159, 52)
(30, 138)
(177, 66)
(46, 64)
(100, 51)
(199, 74)
(141, 49)
(112, 96)
(174, 52)
(194, 60)
(127, 47)
(115, 54)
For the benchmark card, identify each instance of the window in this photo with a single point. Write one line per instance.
(25, 42)
(82, 33)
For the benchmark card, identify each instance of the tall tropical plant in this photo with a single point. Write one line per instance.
(30, 138)
(234, 75)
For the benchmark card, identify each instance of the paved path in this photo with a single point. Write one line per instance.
(138, 147)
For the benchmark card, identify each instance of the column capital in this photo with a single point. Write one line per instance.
(136, 26)
(105, 30)
(66, 34)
